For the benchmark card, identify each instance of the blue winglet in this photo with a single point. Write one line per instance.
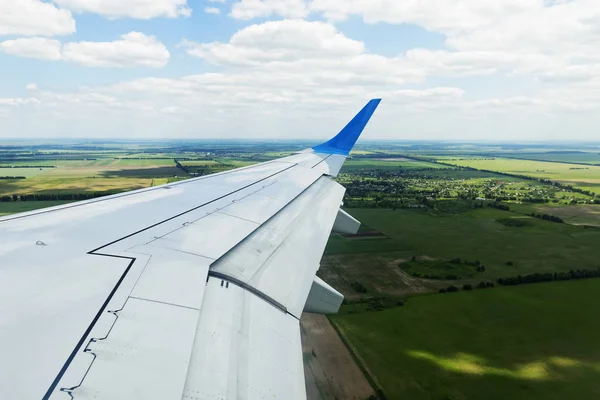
(343, 142)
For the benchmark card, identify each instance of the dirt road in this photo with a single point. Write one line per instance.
(329, 369)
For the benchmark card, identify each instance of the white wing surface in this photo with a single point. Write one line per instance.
(191, 290)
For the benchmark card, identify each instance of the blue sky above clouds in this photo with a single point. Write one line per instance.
(462, 69)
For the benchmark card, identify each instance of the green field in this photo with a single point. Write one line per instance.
(585, 214)
(387, 163)
(339, 245)
(573, 157)
(542, 246)
(26, 172)
(536, 341)
(23, 206)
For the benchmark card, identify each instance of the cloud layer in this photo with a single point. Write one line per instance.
(32, 17)
(516, 67)
(141, 9)
(134, 49)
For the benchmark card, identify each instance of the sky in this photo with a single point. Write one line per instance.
(493, 70)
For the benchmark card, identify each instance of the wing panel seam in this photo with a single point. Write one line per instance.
(87, 332)
(321, 161)
(191, 209)
(134, 192)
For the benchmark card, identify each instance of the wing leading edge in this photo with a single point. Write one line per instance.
(226, 261)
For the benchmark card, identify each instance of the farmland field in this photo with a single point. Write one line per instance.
(354, 164)
(582, 214)
(566, 157)
(23, 206)
(382, 264)
(528, 342)
(105, 173)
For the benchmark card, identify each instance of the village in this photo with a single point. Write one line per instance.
(422, 187)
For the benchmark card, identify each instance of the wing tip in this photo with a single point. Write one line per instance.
(344, 141)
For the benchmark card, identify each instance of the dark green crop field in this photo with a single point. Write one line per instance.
(528, 342)
(478, 235)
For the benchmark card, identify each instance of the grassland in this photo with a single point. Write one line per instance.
(576, 215)
(23, 206)
(528, 342)
(565, 157)
(542, 246)
(389, 163)
(494, 343)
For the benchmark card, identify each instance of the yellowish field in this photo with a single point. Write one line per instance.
(71, 185)
(79, 176)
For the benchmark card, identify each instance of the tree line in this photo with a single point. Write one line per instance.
(467, 286)
(181, 167)
(499, 206)
(547, 217)
(526, 279)
(549, 277)
(27, 166)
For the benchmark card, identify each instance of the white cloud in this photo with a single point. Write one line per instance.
(524, 37)
(252, 104)
(141, 9)
(31, 87)
(212, 10)
(173, 110)
(314, 54)
(436, 15)
(248, 9)
(278, 41)
(17, 101)
(34, 17)
(36, 47)
(425, 94)
(538, 73)
(276, 73)
(134, 49)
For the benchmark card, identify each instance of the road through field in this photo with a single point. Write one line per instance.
(329, 369)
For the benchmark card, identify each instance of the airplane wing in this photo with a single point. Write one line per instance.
(190, 290)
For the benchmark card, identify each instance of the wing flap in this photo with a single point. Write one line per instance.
(281, 257)
(244, 348)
